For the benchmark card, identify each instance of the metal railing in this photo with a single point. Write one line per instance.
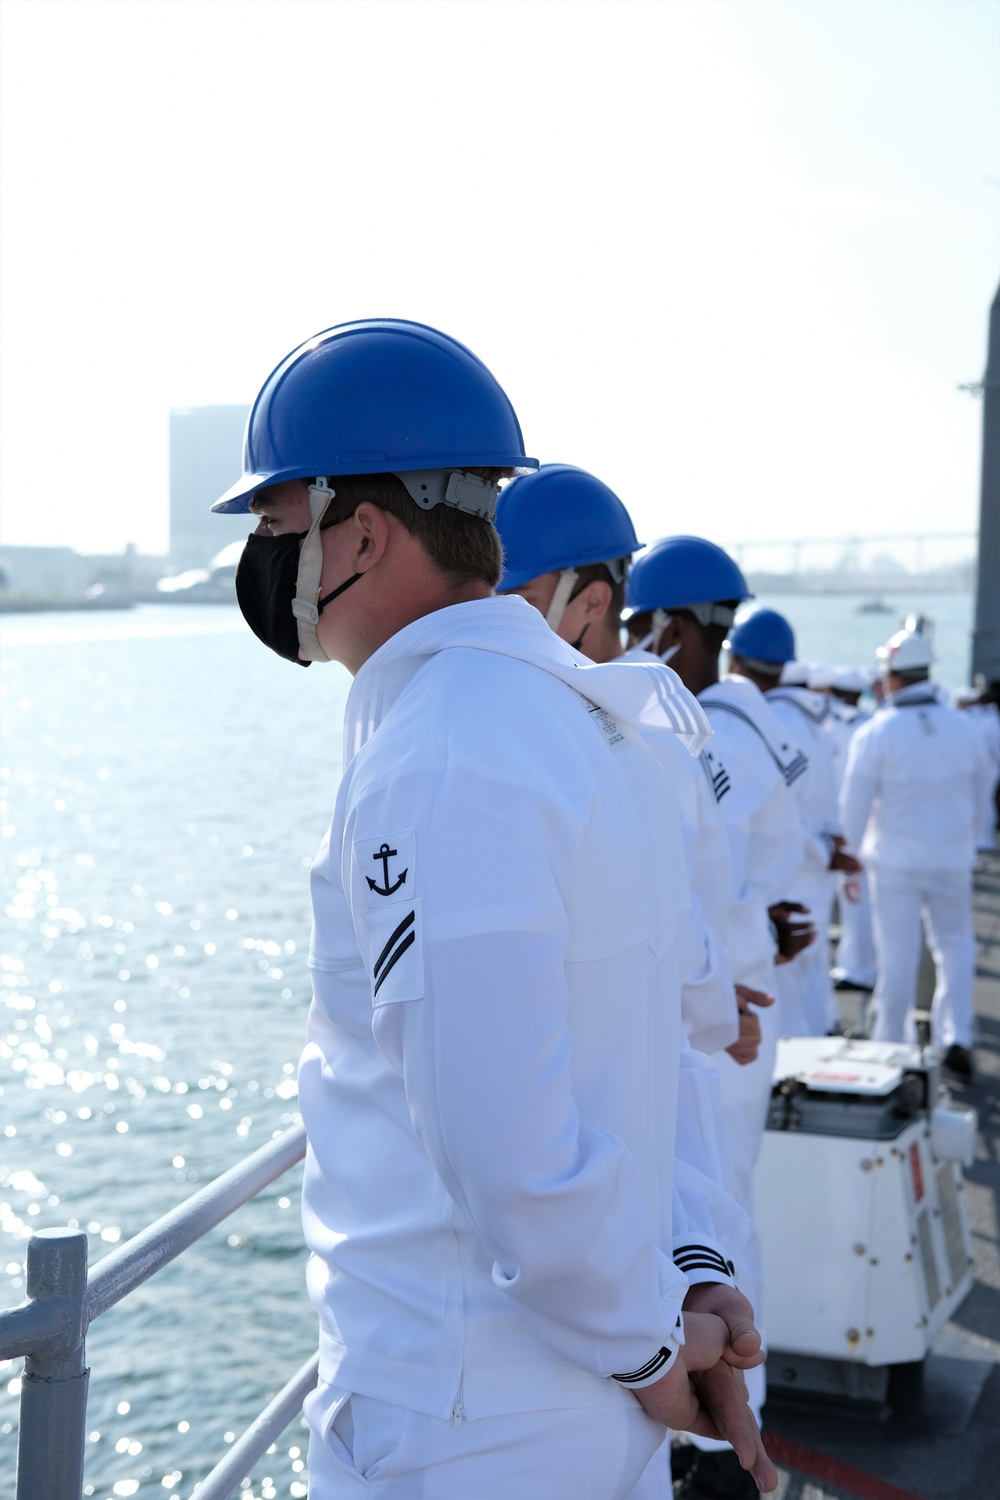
(50, 1330)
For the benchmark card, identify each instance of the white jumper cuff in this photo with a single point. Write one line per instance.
(654, 1369)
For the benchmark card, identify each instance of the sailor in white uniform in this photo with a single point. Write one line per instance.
(848, 687)
(854, 961)
(568, 541)
(819, 679)
(494, 1039)
(682, 595)
(911, 797)
(763, 645)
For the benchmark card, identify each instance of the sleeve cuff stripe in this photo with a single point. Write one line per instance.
(696, 1263)
(691, 1257)
(650, 1368)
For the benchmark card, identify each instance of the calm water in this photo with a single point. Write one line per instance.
(166, 783)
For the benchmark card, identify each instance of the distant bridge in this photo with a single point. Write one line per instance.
(884, 560)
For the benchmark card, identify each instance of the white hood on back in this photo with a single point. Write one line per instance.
(642, 695)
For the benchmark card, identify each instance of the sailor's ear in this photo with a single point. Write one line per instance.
(597, 598)
(371, 529)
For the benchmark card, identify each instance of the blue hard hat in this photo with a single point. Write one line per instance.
(683, 570)
(559, 517)
(378, 396)
(763, 635)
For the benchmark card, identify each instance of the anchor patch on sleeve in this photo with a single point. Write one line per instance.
(384, 853)
(384, 869)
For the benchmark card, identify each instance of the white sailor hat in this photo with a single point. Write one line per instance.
(906, 651)
(820, 676)
(795, 674)
(850, 680)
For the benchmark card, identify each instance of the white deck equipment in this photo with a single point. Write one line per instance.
(861, 1211)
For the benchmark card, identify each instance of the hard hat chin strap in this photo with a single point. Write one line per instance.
(563, 594)
(307, 581)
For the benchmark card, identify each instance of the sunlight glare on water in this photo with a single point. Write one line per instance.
(166, 782)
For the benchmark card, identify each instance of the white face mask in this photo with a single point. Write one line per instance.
(647, 641)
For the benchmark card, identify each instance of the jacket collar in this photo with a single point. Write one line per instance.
(639, 694)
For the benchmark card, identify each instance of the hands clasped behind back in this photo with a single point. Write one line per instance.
(704, 1390)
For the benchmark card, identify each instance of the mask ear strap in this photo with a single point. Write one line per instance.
(324, 602)
(661, 619)
(307, 579)
(561, 597)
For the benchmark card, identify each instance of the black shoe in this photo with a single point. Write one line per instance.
(682, 1457)
(958, 1061)
(852, 984)
(717, 1476)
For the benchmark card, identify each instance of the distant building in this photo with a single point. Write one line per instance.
(62, 575)
(44, 572)
(206, 448)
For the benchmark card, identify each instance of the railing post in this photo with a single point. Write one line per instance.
(53, 1414)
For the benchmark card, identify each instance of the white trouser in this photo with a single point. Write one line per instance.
(943, 898)
(856, 950)
(745, 1094)
(790, 986)
(820, 1006)
(805, 995)
(359, 1446)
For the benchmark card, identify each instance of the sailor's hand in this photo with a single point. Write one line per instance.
(852, 889)
(722, 1393)
(672, 1399)
(744, 1050)
(703, 1394)
(846, 863)
(793, 937)
(723, 1300)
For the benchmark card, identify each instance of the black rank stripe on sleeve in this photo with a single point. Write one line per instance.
(401, 939)
(702, 1258)
(718, 776)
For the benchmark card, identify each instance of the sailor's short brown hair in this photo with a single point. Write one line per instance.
(467, 549)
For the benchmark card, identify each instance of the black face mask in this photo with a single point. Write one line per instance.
(266, 582)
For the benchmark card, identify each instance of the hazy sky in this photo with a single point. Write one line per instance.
(733, 257)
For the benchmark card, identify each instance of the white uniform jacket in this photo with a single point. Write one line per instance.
(915, 781)
(709, 1011)
(759, 812)
(804, 714)
(493, 1058)
(841, 723)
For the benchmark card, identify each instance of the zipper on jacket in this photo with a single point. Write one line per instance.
(458, 1410)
